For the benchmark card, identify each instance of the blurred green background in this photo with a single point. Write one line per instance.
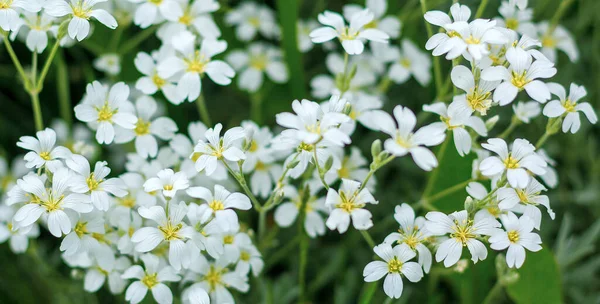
(567, 270)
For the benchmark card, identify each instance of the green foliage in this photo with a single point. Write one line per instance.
(539, 280)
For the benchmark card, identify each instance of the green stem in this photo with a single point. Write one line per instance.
(303, 248)
(133, 43)
(542, 140)
(319, 169)
(368, 293)
(448, 191)
(384, 85)
(16, 62)
(514, 122)
(64, 94)
(37, 111)
(562, 8)
(239, 177)
(436, 171)
(481, 8)
(256, 107)
(40, 82)
(368, 238)
(203, 110)
(495, 295)
(262, 224)
(282, 253)
(437, 69)
(373, 169)
(271, 200)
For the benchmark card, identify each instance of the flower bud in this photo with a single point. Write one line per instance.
(491, 123)
(553, 125)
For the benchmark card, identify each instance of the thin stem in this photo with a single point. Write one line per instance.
(481, 8)
(495, 294)
(436, 171)
(64, 94)
(368, 238)
(368, 293)
(514, 122)
(270, 201)
(437, 69)
(37, 111)
(40, 82)
(373, 169)
(16, 62)
(256, 107)
(303, 248)
(262, 224)
(448, 191)
(203, 110)
(133, 43)
(239, 177)
(34, 66)
(542, 140)
(384, 85)
(562, 8)
(319, 169)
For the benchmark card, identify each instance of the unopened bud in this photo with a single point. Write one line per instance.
(328, 164)
(293, 164)
(553, 125)
(491, 123)
(376, 149)
(470, 205)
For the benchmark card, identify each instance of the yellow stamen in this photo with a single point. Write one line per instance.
(150, 280)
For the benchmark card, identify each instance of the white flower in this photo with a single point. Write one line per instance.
(569, 107)
(559, 39)
(250, 18)
(9, 19)
(221, 204)
(196, 16)
(515, 19)
(410, 61)
(478, 94)
(389, 25)
(151, 82)
(455, 118)
(516, 163)
(463, 232)
(516, 236)
(443, 42)
(81, 11)
(475, 38)
(42, 151)
(17, 237)
(192, 64)
(107, 268)
(353, 36)
(147, 13)
(287, 212)
(250, 258)
(526, 200)
(522, 74)
(208, 232)
(304, 28)
(147, 128)
(109, 64)
(404, 141)
(349, 203)
(521, 4)
(38, 24)
(260, 58)
(51, 201)
(152, 278)
(310, 124)
(81, 238)
(102, 109)
(94, 183)
(216, 278)
(412, 232)
(353, 166)
(170, 228)
(550, 178)
(395, 265)
(525, 111)
(168, 181)
(215, 149)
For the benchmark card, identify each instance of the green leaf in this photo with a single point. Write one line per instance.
(539, 280)
(288, 17)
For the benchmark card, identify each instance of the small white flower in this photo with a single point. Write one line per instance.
(51, 201)
(221, 204)
(102, 109)
(348, 204)
(516, 236)
(260, 58)
(478, 94)
(550, 178)
(525, 200)
(395, 264)
(147, 13)
(207, 234)
(522, 74)
(42, 151)
(463, 232)
(152, 278)
(10, 17)
(81, 11)
(151, 82)
(387, 24)
(109, 64)
(404, 141)
(455, 118)
(250, 258)
(525, 111)
(94, 183)
(304, 28)
(107, 268)
(287, 212)
(445, 41)
(192, 64)
(38, 24)
(310, 124)
(168, 182)
(147, 128)
(81, 238)
(515, 19)
(196, 17)
(17, 237)
(410, 61)
(216, 278)
(515, 164)
(412, 232)
(170, 229)
(250, 18)
(475, 38)
(560, 39)
(569, 107)
(215, 149)
(353, 36)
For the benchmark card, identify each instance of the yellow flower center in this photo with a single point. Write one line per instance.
(80, 229)
(92, 182)
(197, 64)
(245, 256)
(402, 142)
(253, 146)
(446, 120)
(453, 34)
(216, 205)
(228, 239)
(348, 34)
(186, 19)
(371, 25)
(4, 4)
(463, 231)
(519, 80)
(100, 238)
(548, 41)
(343, 172)
(142, 127)
(254, 21)
(105, 113)
(522, 196)
(45, 155)
(80, 11)
(213, 278)
(405, 63)
(150, 280)
(49, 202)
(348, 204)
(170, 232)
(155, 2)
(305, 147)
(513, 236)
(478, 101)
(158, 82)
(260, 166)
(472, 40)
(567, 104)
(259, 62)
(168, 187)
(511, 163)
(127, 201)
(9, 225)
(512, 23)
(494, 211)
(394, 265)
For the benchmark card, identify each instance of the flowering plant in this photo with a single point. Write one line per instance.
(144, 202)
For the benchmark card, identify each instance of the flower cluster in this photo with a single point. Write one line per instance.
(169, 222)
